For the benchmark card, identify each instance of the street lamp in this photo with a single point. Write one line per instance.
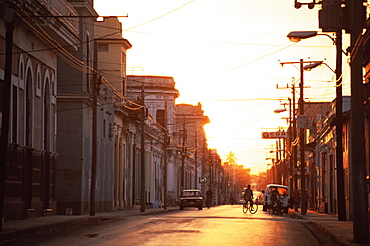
(312, 65)
(299, 35)
(279, 110)
(296, 36)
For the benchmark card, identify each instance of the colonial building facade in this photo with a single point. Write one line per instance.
(75, 128)
(32, 160)
(75, 137)
(111, 50)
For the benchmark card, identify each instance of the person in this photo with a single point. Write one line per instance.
(208, 198)
(274, 196)
(232, 198)
(296, 198)
(248, 196)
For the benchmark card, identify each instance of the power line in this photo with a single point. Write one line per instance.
(160, 16)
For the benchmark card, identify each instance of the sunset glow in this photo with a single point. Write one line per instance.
(226, 55)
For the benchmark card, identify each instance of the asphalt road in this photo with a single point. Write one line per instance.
(221, 225)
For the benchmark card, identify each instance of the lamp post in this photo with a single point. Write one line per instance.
(142, 150)
(311, 65)
(296, 37)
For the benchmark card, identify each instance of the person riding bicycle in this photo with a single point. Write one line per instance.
(248, 196)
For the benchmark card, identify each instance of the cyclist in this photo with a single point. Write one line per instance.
(248, 196)
(274, 196)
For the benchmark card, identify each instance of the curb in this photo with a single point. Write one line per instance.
(335, 238)
(48, 227)
(327, 233)
(20, 231)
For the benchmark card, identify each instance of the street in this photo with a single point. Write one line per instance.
(221, 225)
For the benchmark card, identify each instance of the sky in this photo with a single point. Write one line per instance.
(226, 54)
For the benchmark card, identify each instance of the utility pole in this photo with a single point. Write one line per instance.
(204, 161)
(301, 144)
(291, 138)
(183, 153)
(211, 171)
(142, 145)
(338, 128)
(165, 188)
(359, 196)
(9, 20)
(94, 147)
(295, 153)
(312, 64)
(196, 161)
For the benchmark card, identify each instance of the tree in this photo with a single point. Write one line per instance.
(231, 159)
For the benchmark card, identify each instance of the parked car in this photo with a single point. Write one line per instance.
(284, 194)
(191, 198)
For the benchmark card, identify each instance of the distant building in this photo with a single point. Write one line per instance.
(191, 144)
(159, 98)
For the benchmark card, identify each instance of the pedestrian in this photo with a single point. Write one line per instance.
(296, 199)
(232, 198)
(209, 198)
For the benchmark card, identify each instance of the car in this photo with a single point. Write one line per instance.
(284, 194)
(191, 198)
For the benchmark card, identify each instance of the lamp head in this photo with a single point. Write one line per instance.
(312, 65)
(277, 111)
(298, 35)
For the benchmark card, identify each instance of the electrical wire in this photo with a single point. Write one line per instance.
(160, 16)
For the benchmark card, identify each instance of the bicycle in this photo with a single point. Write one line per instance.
(247, 207)
(276, 207)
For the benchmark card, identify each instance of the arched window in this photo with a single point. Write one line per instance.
(38, 81)
(46, 108)
(15, 100)
(29, 109)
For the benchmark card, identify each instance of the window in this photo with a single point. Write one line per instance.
(38, 81)
(102, 47)
(104, 128)
(160, 115)
(15, 115)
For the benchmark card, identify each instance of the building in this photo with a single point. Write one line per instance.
(85, 119)
(191, 145)
(322, 159)
(32, 160)
(111, 50)
(159, 99)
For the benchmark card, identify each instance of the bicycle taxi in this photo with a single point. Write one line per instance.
(284, 195)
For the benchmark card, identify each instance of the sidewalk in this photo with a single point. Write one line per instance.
(21, 228)
(341, 232)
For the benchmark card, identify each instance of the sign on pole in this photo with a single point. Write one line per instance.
(274, 135)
